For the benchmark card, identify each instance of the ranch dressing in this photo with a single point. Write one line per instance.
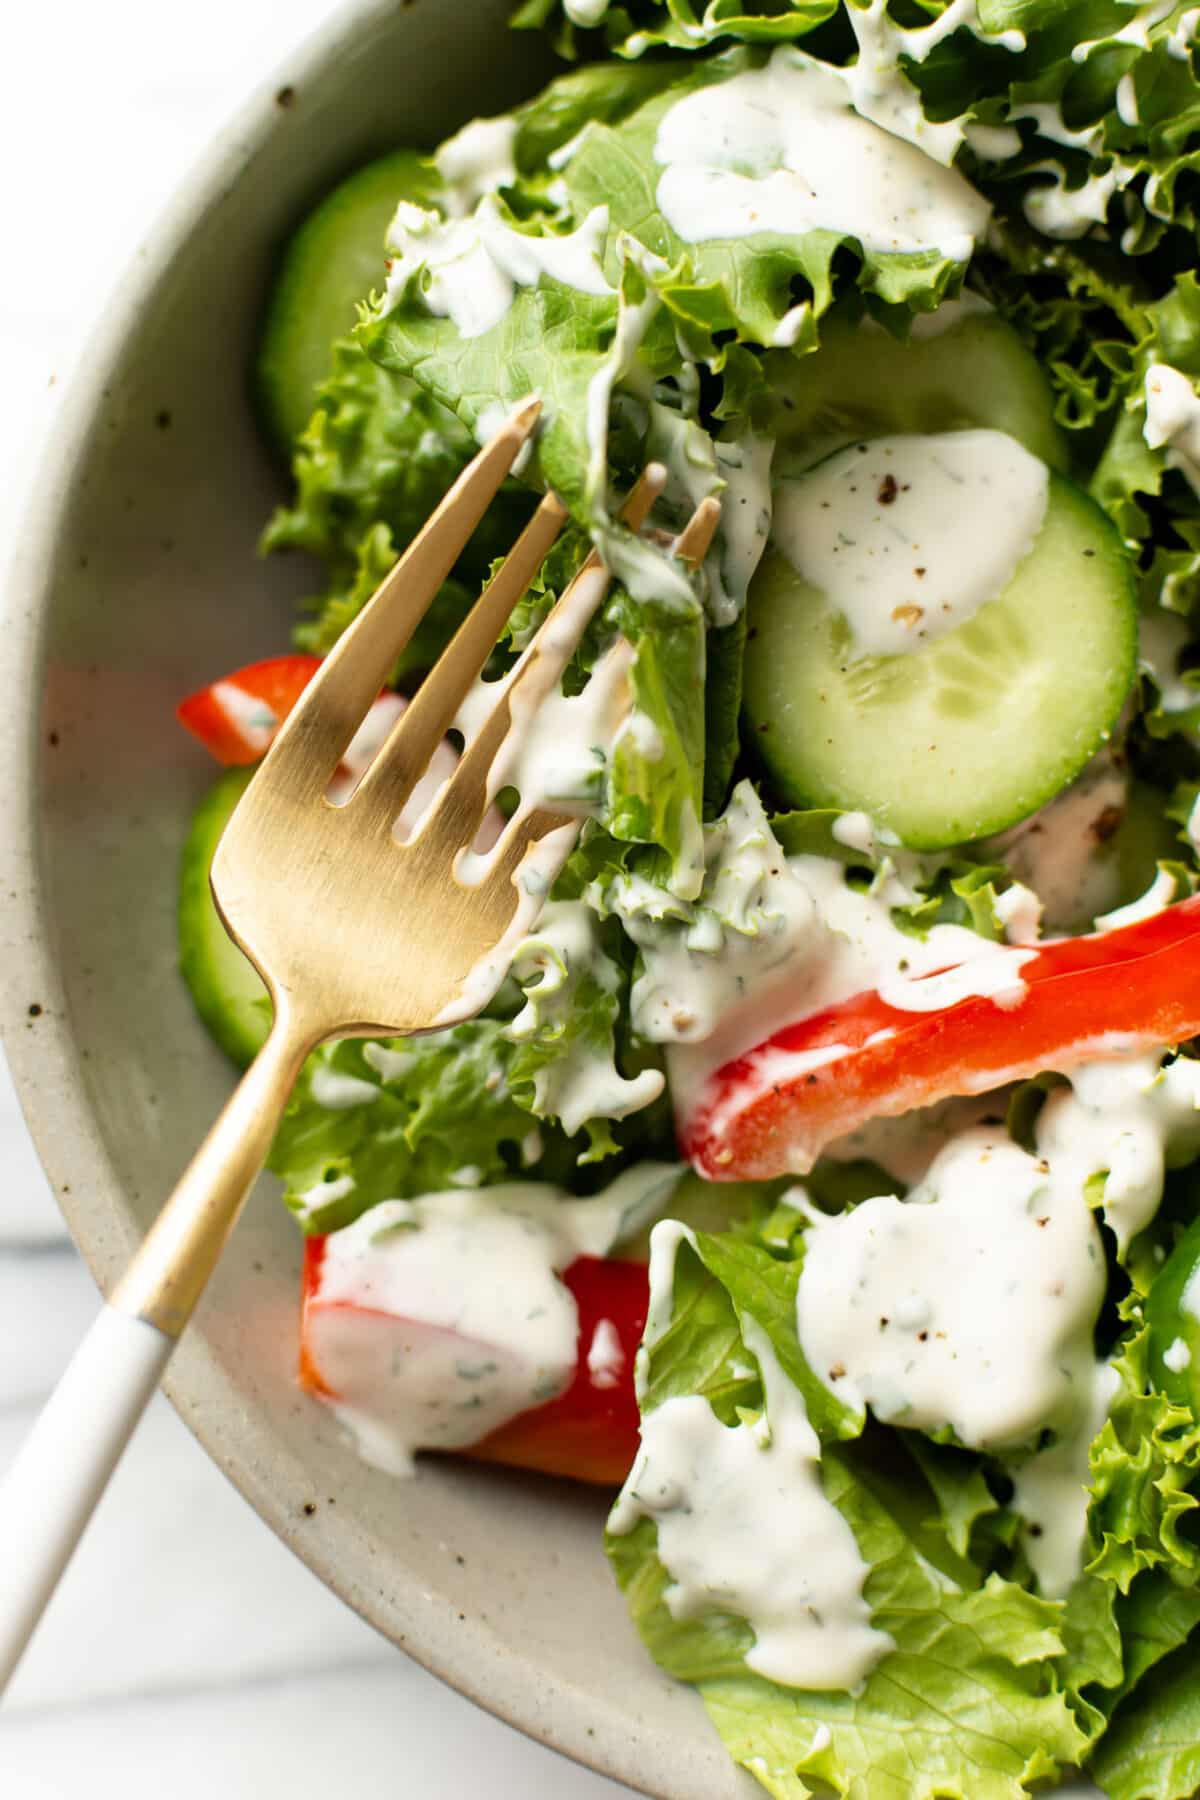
(1129, 1119)
(437, 1320)
(722, 1497)
(780, 149)
(476, 161)
(834, 940)
(968, 1306)
(890, 531)
(468, 269)
(556, 967)
(1050, 1492)
(1173, 420)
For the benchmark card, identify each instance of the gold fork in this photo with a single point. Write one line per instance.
(355, 933)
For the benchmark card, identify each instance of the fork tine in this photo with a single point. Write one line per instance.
(467, 796)
(691, 546)
(412, 741)
(314, 736)
(520, 836)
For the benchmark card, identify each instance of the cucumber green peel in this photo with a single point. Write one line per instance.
(863, 382)
(227, 992)
(330, 265)
(974, 731)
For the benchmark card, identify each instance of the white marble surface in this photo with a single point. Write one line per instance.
(185, 1638)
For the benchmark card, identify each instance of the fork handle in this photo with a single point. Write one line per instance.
(64, 1467)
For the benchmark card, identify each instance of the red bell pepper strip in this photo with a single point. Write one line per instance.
(590, 1432)
(236, 718)
(773, 1110)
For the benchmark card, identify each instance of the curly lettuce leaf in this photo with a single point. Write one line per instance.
(1142, 1463)
(738, 287)
(566, 1032)
(605, 91)
(640, 25)
(418, 1112)
(1151, 1750)
(372, 1121)
(373, 462)
(968, 1703)
(725, 647)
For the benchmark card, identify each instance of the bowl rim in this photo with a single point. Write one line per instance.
(40, 1047)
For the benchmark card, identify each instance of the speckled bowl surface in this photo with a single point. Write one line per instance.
(137, 580)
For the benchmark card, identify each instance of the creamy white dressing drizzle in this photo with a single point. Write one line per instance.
(889, 531)
(970, 1305)
(559, 747)
(700, 959)
(389, 1065)
(1054, 853)
(1128, 1118)
(1173, 420)
(1189, 1299)
(437, 1320)
(250, 716)
(476, 161)
(1136, 31)
(1181, 40)
(1177, 1356)
(781, 149)
(1019, 910)
(1050, 1491)
(533, 880)
(834, 941)
(468, 269)
(1193, 824)
(882, 91)
(323, 1193)
(587, 14)
(743, 1523)
(552, 966)
(1127, 100)
(744, 465)
(1070, 213)
(337, 1092)
(1162, 638)
(605, 1357)
(1158, 895)
(619, 364)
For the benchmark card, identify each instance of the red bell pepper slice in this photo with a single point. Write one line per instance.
(590, 1432)
(1106, 994)
(236, 718)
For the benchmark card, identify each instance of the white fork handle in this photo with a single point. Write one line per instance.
(64, 1467)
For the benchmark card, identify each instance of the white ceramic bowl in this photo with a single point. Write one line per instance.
(136, 581)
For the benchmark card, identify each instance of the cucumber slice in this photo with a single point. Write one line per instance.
(1173, 1315)
(975, 730)
(959, 369)
(331, 263)
(227, 992)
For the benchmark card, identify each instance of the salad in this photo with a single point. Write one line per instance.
(823, 1174)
